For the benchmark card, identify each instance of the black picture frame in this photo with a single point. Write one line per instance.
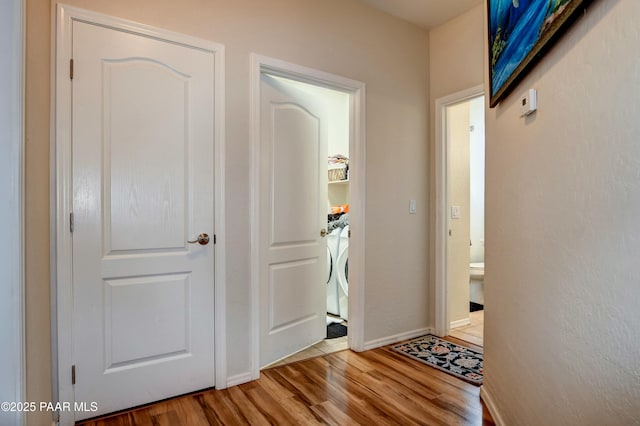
(520, 32)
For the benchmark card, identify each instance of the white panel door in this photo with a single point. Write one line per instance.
(143, 142)
(293, 211)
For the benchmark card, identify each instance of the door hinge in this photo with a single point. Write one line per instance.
(214, 239)
(73, 374)
(71, 222)
(71, 69)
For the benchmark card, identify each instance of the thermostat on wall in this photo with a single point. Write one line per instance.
(528, 102)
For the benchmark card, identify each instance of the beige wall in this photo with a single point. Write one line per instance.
(458, 122)
(37, 301)
(456, 54)
(562, 325)
(338, 36)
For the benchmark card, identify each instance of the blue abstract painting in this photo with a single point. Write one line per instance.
(518, 32)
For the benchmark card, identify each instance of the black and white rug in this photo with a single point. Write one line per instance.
(451, 358)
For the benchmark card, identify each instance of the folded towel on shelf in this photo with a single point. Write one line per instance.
(338, 158)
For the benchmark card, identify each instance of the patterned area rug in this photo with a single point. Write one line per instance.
(454, 359)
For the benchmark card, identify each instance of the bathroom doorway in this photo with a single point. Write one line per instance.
(460, 216)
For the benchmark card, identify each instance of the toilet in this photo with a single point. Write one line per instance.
(476, 270)
(476, 282)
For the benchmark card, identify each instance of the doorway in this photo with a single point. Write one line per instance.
(307, 149)
(334, 164)
(465, 251)
(460, 214)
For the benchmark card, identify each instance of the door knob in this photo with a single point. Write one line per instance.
(203, 240)
(323, 232)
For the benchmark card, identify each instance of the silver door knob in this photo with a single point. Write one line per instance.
(323, 232)
(203, 240)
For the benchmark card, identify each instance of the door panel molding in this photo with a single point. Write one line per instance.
(261, 64)
(62, 196)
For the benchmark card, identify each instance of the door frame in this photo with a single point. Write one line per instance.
(356, 89)
(12, 302)
(441, 308)
(62, 195)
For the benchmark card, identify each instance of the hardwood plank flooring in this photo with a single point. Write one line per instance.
(323, 347)
(472, 333)
(377, 387)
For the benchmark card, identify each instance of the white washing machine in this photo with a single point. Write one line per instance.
(333, 244)
(342, 273)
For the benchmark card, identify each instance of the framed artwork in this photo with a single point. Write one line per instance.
(520, 31)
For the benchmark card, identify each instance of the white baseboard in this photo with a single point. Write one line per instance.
(384, 341)
(491, 406)
(239, 379)
(460, 323)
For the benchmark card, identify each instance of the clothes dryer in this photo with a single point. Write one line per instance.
(333, 243)
(342, 273)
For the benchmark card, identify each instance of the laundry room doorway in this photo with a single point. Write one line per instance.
(305, 192)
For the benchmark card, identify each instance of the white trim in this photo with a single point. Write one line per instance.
(442, 326)
(61, 195)
(488, 400)
(239, 379)
(20, 293)
(254, 82)
(396, 338)
(260, 64)
(12, 302)
(460, 323)
(220, 221)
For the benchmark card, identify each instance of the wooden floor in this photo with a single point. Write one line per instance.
(323, 347)
(472, 333)
(377, 387)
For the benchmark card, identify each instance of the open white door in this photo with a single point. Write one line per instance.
(293, 219)
(143, 186)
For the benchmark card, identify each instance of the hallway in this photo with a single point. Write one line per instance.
(373, 387)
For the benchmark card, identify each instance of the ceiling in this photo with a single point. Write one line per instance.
(424, 13)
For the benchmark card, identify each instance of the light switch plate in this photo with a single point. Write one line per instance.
(455, 212)
(412, 206)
